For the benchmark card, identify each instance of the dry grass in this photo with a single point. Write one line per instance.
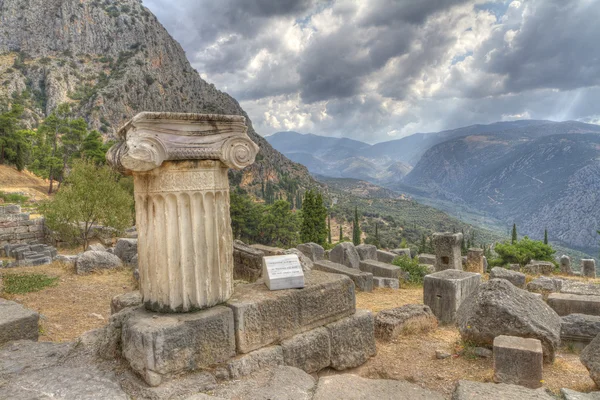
(80, 303)
(12, 181)
(77, 303)
(412, 357)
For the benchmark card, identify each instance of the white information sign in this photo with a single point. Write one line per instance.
(283, 272)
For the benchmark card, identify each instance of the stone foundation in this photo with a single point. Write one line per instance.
(17, 228)
(311, 329)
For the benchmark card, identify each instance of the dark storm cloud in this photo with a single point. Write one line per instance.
(392, 12)
(556, 45)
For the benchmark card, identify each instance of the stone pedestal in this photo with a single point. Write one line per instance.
(518, 361)
(588, 268)
(179, 163)
(447, 251)
(444, 291)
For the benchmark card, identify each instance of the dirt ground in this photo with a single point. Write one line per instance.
(76, 304)
(80, 303)
(412, 357)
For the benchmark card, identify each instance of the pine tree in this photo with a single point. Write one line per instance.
(545, 236)
(356, 228)
(329, 229)
(314, 215)
(514, 239)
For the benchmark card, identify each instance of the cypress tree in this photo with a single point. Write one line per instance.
(423, 245)
(377, 234)
(329, 229)
(545, 236)
(341, 233)
(314, 216)
(356, 228)
(514, 239)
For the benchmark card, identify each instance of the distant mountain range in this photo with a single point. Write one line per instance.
(538, 174)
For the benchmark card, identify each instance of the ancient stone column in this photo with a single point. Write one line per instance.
(447, 251)
(179, 163)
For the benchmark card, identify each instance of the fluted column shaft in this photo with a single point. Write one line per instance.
(184, 235)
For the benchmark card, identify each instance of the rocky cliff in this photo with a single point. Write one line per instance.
(112, 59)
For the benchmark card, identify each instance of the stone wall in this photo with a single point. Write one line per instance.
(16, 227)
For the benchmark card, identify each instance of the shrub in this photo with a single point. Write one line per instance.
(523, 251)
(412, 266)
(13, 198)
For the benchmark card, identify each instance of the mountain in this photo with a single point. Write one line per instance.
(384, 163)
(338, 157)
(111, 60)
(543, 177)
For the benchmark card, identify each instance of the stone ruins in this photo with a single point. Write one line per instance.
(190, 330)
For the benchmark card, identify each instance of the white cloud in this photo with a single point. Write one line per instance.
(380, 69)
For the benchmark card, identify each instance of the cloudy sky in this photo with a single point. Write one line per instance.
(377, 70)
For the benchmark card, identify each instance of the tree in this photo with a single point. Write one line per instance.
(342, 234)
(329, 229)
(15, 143)
(245, 216)
(514, 238)
(314, 214)
(91, 195)
(377, 234)
(524, 251)
(94, 149)
(279, 225)
(356, 228)
(545, 236)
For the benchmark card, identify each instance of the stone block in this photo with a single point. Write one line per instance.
(579, 328)
(254, 361)
(427, 259)
(385, 256)
(125, 300)
(367, 252)
(518, 361)
(352, 340)
(565, 304)
(162, 345)
(17, 322)
(390, 283)
(345, 254)
(475, 261)
(268, 250)
(247, 262)
(362, 280)
(96, 247)
(310, 351)
(411, 318)
(401, 252)
(126, 249)
(444, 292)
(447, 251)
(263, 317)
(539, 268)
(514, 277)
(588, 268)
(96, 260)
(378, 268)
(353, 387)
(565, 265)
(313, 251)
(545, 285)
(468, 390)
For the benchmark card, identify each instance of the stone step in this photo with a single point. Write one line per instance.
(389, 283)
(263, 317)
(565, 304)
(362, 280)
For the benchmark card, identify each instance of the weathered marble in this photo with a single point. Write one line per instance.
(179, 163)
